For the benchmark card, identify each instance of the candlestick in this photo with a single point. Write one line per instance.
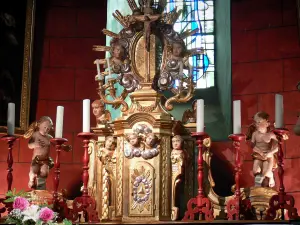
(236, 206)
(200, 115)
(86, 115)
(237, 121)
(108, 66)
(281, 201)
(59, 121)
(11, 119)
(85, 203)
(58, 142)
(279, 111)
(200, 204)
(10, 139)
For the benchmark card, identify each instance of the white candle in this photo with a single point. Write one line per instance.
(279, 111)
(11, 119)
(237, 120)
(108, 66)
(59, 121)
(86, 115)
(200, 115)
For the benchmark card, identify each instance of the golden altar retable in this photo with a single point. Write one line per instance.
(134, 174)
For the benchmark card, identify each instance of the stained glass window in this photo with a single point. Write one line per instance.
(198, 14)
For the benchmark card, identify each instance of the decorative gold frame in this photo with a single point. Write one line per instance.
(27, 67)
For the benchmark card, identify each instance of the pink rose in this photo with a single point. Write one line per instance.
(46, 214)
(20, 203)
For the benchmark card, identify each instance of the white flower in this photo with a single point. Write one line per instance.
(31, 213)
(16, 213)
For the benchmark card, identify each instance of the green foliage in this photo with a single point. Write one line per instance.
(11, 195)
(12, 220)
(67, 222)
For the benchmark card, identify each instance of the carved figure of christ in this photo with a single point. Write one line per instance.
(147, 19)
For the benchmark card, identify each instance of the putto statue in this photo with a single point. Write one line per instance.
(107, 154)
(265, 147)
(39, 141)
(118, 62)
(190, 115)
(178, 160)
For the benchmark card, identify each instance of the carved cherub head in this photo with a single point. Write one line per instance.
(133, 139)
(44, 125)
(110, 143)
(98, 108)
(178, 49)
(177, 142)
(118, 51)
(151, 140)
(261, 124)
(261, 120)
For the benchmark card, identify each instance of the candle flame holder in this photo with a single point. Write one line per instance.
(58, 206)
(282, 200)
(200, 204)
(236, 206)
(109, 89)
(9, 139)
(85, 203)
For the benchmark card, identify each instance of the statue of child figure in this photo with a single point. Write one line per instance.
(177, 153)
(39, 141)
(107, 154)
(265, 146)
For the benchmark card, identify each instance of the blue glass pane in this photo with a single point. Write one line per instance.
(197, 14)
(205, 62)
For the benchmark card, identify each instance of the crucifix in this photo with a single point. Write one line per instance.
(147, 19)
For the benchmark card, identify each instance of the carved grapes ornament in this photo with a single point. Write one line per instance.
(141, 189)
(141, 181)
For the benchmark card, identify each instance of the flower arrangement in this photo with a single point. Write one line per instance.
(26, 213)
